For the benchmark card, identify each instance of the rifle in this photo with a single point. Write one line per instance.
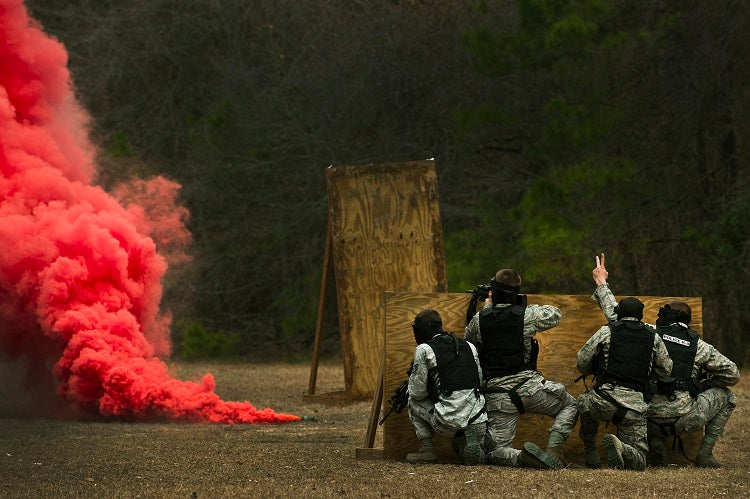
(480, 294)
(400, 398)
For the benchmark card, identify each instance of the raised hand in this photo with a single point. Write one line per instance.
(600, 273)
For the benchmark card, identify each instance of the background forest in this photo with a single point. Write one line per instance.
(559, 128)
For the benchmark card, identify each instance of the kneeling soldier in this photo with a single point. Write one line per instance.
(621, 356)
(684, 403)
(444, 394)
(504, 332)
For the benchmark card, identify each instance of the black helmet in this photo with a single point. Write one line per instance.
(669, 315)
(426, 324)
(629, 307)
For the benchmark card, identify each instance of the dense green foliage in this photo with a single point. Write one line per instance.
(560, 128)
(198, 343)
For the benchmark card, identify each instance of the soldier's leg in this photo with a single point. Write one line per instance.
(632, 432)
(502, 417)
(471, 444)
(419, 414)
(712, 410)
(553, 400)
(657, 449)
(589, 428)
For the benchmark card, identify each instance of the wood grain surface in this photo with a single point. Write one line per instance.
(386, 236)
(557, 360)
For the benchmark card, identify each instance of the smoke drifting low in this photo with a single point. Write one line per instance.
(80, 275)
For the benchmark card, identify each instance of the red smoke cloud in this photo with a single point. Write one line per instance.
(79, 272)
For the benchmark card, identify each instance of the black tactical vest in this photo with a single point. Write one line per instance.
(682, 345)
(456, 367)
(503, 347)
(629, 361)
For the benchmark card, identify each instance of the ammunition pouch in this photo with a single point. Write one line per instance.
(666, 386)
(691, 385)
(669, 386)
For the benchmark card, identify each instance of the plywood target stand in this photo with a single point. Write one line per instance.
(384, 234)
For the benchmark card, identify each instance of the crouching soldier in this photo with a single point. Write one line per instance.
(504, 332)
(444, 396)
(621, 355)
(684, 402)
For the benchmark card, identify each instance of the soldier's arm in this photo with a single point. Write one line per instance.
(604, 297)
(418, 376)
(541, 317)
(662, 361)
(721, 371)
(587, 353)
(475, 353)
(471, 331)
(602, 294)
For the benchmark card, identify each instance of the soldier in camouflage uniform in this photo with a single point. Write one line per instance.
(504, 331)
(444, 392)
(683, 403)
(622, 355)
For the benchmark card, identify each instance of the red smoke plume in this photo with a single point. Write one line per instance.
(80, 273)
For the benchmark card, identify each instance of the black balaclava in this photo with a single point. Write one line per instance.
(426, 324)
(669, 315)
(629, 307)
(503, 293)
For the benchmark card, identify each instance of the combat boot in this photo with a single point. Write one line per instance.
(425, 454)
(554, 446)
(532, 456)
(705, 457)
(592, 459)
(709, 461)
(614, 451)
(472, 451)
(658, 453)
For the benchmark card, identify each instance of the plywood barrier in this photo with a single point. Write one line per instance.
(386, 236)
(557, 360)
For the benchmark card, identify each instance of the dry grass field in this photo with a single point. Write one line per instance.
(44, 457)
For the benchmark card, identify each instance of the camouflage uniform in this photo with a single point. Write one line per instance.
(539, 396)
(448, 414)
(593, 408)
(710, 409)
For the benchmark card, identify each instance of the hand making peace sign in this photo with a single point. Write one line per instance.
(600, 273)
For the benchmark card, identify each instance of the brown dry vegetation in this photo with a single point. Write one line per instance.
(43, 457)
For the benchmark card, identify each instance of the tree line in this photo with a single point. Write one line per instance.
(560, 129)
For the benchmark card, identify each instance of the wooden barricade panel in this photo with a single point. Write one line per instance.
(557, 361)
(386, 236)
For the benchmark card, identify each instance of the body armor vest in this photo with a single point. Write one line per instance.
(682, 345)
(456, 367)
(629, 362)
(503, 347)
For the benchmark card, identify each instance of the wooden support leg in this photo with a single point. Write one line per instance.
(321, 309)
(367, 452)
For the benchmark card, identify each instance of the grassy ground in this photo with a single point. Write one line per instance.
(43, 457)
